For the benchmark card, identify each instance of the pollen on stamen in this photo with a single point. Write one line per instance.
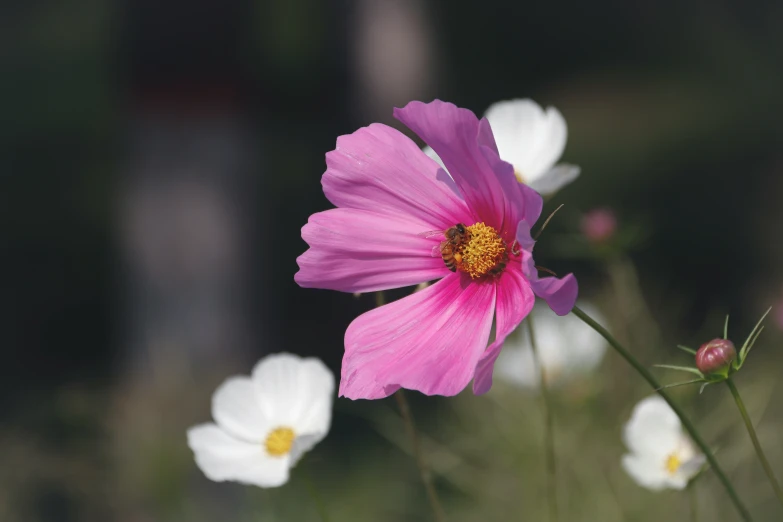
(279, 441)
(672, 464)
(484, 251)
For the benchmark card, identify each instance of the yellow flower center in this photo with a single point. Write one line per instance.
(520, 177)
(483, 252)
(279, 442)
(673, 463)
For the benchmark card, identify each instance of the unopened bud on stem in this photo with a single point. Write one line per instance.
(715, 357)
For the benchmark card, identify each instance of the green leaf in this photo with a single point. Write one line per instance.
(680, 368)
(676, 384)
(726, 328)
(752, 337)
(686, 349)
(715, 377)
(753, 341)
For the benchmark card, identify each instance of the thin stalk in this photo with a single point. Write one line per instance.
(410, 427)
(686, 422)
(694, 501)
(549, 432)
(318, 502)
(756, 444)
(424, 470)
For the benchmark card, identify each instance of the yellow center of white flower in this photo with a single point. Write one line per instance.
(279, 441)
(673, 463)
(483, 252)
(519, 176)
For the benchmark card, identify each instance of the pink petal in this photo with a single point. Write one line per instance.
(515, 299)
(514, 203)
(559, 293)
(380, 169)
(429, 341)
(522, 201)
(524, 237)
(534, 203)
(457, 137)
(363, 251)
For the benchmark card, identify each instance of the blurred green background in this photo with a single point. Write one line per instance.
(159, 159)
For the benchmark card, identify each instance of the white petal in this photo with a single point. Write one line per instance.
(317, 399)
(689, 468)
(555, 178)
(235, 409)
(515, 364)
(222, 457)
(304, 444)
(295, 392)
(647, 472)
(585, 348)
(654, 431)
(676, 481)
(567, 348)
(527, 137)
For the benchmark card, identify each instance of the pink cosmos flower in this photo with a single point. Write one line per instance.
(390, 197)
(599, 225)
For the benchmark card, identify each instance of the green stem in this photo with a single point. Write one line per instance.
(318, 502)
(694, 501)
(410, 426)
(549, 432)
(756, 444)
(424, 470)
(687, 424)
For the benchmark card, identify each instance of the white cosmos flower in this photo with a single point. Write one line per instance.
(567, 348)
(532, 140)
(661, 454)
(266, 422)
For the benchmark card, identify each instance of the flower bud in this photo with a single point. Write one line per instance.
(715, 357)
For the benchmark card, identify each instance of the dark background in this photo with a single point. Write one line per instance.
(159, 159)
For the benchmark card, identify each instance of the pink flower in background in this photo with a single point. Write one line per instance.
(599, 225)
(390, 198)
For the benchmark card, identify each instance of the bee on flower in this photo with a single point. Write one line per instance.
(389, 196)
(660, 454)
(266, 422)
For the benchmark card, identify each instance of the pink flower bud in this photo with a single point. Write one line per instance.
(715, 357)
(599, 225)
